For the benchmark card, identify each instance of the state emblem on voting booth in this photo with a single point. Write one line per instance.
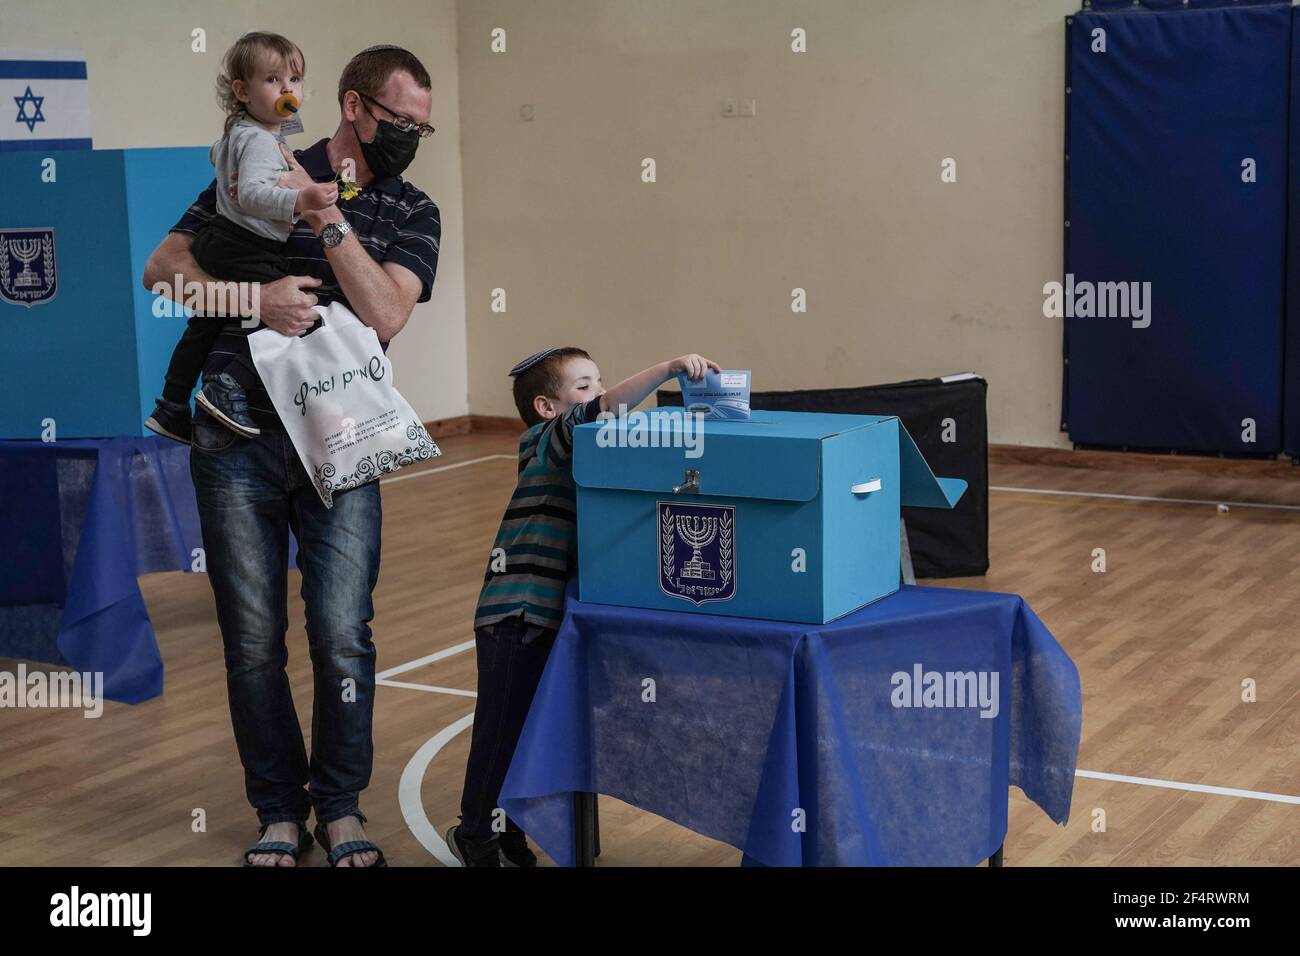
(790, 516)
(28, 274)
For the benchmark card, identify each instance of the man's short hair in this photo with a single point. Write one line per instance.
(369, 70)
(546, 377)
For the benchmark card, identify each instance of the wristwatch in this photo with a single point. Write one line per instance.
(333, 234)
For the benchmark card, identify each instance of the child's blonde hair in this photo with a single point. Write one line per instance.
(240, 62)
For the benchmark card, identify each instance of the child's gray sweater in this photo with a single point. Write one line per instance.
(263, 207)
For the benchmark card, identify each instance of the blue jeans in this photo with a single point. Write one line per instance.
(250, 492)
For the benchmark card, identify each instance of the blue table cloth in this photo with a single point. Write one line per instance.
(81, 520)
(790, 741)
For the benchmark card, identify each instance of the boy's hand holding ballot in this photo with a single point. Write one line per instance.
(628, 394)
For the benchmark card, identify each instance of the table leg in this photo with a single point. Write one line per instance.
(996, 858)
(595, 826)
(584, 826)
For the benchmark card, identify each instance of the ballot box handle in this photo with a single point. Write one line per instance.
(866, 487)
(691, 485)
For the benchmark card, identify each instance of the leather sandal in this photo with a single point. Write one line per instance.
(349, 848)
(279, 847)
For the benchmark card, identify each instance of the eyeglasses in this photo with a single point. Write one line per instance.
(400, 121)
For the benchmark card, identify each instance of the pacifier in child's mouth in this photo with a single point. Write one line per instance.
(287, 105)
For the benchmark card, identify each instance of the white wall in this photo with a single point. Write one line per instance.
(833, 187)
(148, 89)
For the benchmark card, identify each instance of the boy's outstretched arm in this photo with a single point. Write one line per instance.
(633, 391)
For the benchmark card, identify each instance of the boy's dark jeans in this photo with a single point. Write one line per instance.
(250, 492)
(511, 658)
(230, 253)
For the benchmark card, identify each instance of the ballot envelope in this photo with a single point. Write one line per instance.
(790, 516)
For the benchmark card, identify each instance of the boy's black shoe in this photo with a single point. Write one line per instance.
(224, 400)
(472, 854)
(514, 849)
(171, 420)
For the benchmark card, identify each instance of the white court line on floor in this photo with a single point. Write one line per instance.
(433, 471)
(421, 661)
(403, 685)
(1178, 501)
(408, 792)
(1191, 787)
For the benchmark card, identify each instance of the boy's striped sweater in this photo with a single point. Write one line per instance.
(536, 547)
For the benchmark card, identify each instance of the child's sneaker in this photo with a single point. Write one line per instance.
(514, 849)
(171, 420)
(485, 854)
(224, 400)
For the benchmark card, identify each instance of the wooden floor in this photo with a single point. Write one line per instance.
(1193, 602)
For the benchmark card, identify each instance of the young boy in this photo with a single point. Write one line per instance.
(536, 550)
(243, 242)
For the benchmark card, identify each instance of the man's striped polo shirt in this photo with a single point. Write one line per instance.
(394, 221)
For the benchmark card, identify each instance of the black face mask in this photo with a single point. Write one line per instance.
(391, 151)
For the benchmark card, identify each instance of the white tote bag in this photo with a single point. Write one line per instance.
(333, 390)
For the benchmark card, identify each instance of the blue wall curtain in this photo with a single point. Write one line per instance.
(1176, 174)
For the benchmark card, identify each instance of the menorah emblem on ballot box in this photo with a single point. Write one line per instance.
(707, 534)
(19, 250)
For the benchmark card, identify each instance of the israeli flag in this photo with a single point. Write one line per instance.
(44, 100)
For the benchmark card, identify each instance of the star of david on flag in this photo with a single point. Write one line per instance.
(44, 100)
(36, 117)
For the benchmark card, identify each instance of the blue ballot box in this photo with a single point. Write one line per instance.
(790, 516)
(84, 348)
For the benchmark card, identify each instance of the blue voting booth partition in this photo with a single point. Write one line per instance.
(83, 350)
(1176, 176)
(82, 345)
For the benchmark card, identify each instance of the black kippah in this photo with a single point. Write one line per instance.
(529, 362)
(384, 46)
